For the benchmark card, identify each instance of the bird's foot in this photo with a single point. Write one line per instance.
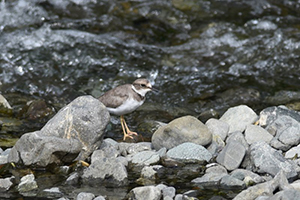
(129, 135)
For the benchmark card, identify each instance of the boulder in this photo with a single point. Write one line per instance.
(268, 160)
(218, 127)
(256, 133)
(73, 133)
(181, 130)
(239, 117)
(189, 153)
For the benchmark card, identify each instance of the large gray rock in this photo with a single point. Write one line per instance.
(279, 182)
(178, 131)
(256, 133)
(268, 160)
(286, 194)
(105, 171)
(268, 115)
(189, 152)
(73, 133)
(218, 127)
(145, 192)
(232, 155)
(239, 117)
(230, 182)
(286, 131)
(145, 158)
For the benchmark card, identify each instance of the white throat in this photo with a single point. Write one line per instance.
(141, 92)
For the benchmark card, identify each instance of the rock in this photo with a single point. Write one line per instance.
(293, 152)
(27, 183)
(189, 153)
(52, 192)
(85, 196)
(180, 130)
(6, 183)
(73, 179)
(216, 145)
(270, 114)
(149, 174)
(239, 117)
(73, 133)
(286, 131)
(99, 198)
(232, 155)
(267, 160)
(230, 182)
(106, 171)
(279, 182)
(246, 176)
(38, 109)
(145, 192)
(4, 156)
(132, 148)
(286, 194)
(256, 133)
(238, 137)
(145, 158)
(218, 127)
(212, 176)
(4, 103)
(168, 192)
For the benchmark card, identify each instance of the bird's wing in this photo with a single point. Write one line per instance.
(114, 97)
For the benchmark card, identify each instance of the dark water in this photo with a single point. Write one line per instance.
(201, 55)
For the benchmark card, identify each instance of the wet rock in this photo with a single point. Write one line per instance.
(180, 130)
(212, 176)
(145, 192)
(247, 176)
(268, 115)
(279, 182)
(145, 158)
(267, 160)
(149, 174)
(4, 103)
(27, 183)
(6, 183)
(232, 155)
(73, 133)
(230, 182)
(189, 152)
(239, 117)
(218, 127)
(85, 196)
(286, 131)
(105, 171)
(256, 133)
(52, 192)
(73, 179)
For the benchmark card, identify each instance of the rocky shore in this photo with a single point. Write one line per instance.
(248, 155)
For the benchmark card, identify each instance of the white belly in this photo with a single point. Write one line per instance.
(127, 107)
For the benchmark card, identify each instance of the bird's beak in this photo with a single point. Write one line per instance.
(154, 90)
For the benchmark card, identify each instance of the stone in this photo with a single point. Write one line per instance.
(168, 192)
(149, 174)
(246, 175)
(4, 103)
(268, 115)
(230, 182)
(52, 192)
(216, 145)
(232, 155)
(189, 153)
(72, 134)
(287, 132)
(27, 183)
(181, 130)
(238, 137)
(108, 172)
(286, 194)
(99, 198)
(268, 160)
(256, 133)
(279, 182)
(239, 117)
(145, 192)
(6, 183)
(218, 127)
(293, 153)
(85, 196)
(73, 179)
(145, 158)
(212, 176)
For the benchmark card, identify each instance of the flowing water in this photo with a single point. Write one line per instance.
(202, 55)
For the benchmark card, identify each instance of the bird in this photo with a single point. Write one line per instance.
(125, 99)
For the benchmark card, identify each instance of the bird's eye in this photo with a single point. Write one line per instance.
(143, 85)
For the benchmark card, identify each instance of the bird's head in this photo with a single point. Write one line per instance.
(142, 86)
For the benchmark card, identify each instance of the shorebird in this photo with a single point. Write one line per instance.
(125, 99)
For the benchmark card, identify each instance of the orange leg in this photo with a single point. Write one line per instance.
(126, 131)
